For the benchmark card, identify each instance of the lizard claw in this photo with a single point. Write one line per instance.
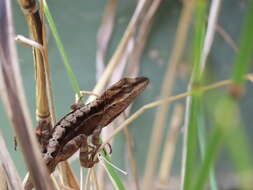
(110, 149)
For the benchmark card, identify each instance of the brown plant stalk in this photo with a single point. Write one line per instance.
(15, 105)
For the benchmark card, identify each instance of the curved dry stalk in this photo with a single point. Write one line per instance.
(68, 176)
(226, 37)
(167, 87)
(162, 101)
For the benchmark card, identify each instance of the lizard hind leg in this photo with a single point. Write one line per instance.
(97, 142)
(88, 152)
(86, 155)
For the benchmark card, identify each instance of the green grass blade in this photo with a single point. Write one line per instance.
(203, 149)
(198, 39)
(191, 143)
(239, 147)
(208, 159)
(113, 174)
(243, 59)
(195, 105)
(62, 51)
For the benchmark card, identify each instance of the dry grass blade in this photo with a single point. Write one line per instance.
(44, 96)
(68, 176)
(169, 149)
(121, 47)
(144, 29)
(131, 158)
(104, 35)
(167, 87)
(160, 102)
(226, 37)
(210, 33)
(121, 55)
(8, 169)
(35, 24)
(133, 70)
(16, 102)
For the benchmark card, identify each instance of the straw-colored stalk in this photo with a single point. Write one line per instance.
(167, 87)
(15, 102)
(44, 98)
(170, 145)
(164, 101)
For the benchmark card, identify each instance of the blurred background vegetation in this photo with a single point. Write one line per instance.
(78, 23)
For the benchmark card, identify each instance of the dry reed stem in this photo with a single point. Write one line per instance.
(167, 86)
(226, 37)
(44, 95)
(68, 176)
(210, 32)
(34, 22)
(120, 49)
(70, 180)
(131, 158)
(133, 70)
(164, 101)
(170, 145)
(104, 36)
(8, 170)
(144, 29)
(46, 65)
(66, 172)
(16, 102)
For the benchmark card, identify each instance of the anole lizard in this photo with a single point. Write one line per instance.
(71, 132)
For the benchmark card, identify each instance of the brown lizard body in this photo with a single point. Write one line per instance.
(71, 132)
(85, 119)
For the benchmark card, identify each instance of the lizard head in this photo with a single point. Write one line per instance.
(118, 97)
